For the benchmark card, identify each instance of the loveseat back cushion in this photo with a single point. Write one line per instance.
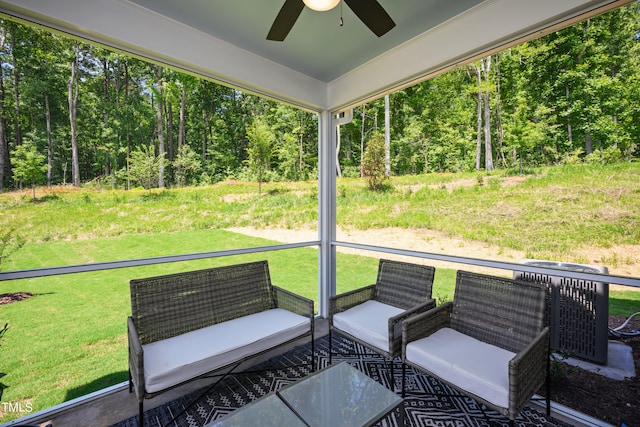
(503, 312)
(403, 284)
(184, 357)
(470, 364)
(369, 322)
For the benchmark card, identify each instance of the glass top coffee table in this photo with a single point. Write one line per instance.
(339, 395)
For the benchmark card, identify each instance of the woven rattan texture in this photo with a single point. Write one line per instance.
(400, 284)
(507, 313)
(502, 312)
(403, 285)
(166, 306)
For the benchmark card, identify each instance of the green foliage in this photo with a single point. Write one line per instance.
(259, 149)
(29, 165)
(63, 352)
(548, 98)
(559, 369)
(373, 167)
(607, 156)
(144, 167)
(188, 166)
(9, 244)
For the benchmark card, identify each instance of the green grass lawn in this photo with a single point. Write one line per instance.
(70, 338)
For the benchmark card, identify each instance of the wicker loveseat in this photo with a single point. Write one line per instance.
(186, 325)
(490, 342)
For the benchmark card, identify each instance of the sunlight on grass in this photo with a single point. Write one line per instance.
(70, 338)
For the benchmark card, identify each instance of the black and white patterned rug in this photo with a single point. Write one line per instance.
(428, 401)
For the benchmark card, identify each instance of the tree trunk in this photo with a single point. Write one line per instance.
(4, 147)
(588, 143)
(16, 90)
(569, 129)
(170, 139)
(203, 148)
(488, 149)
(362, 140)
(498, 115)
(73, 101)
(338, 170)
(387, 137)
(479, 118)
(128, 122)
(183, 107)
(160, 108)
(301, 143)
(426, 155)
(47, 114)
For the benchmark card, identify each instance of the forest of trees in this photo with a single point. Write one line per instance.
(73, 113)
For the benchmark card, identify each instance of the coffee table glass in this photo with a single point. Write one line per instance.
(339, 395)
(269, 411)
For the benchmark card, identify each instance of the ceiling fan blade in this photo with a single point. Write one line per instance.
(373, 15)
(283, 23)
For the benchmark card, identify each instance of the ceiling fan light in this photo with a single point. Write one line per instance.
(321, 5)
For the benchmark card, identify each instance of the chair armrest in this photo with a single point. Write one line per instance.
(292, 302)
(527, 371)
(395, 324)
(344, 301)
(424, 324)
(136, 359)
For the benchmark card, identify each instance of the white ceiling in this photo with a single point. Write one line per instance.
(317, 45)
(320, 66)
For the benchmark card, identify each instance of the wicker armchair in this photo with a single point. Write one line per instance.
(490, 343)
(373, 315)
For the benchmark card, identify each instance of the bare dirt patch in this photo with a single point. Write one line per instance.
(14, 297)
(621, 260)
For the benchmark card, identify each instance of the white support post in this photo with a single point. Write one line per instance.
(326, 211)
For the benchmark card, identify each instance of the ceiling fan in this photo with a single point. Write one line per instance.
(369, 11)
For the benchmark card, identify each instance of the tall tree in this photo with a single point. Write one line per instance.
(17, 63)
(478, 72)
(387, 136)
(259, 149)
(72, 96)
(4, 146)
(30, 165)
(159, 118)
(181, 125)
(488, 146)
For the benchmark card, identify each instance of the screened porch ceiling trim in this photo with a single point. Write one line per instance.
(320, 66)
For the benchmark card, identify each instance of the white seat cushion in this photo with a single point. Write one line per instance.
(184, 357)
(368, 322)
(475, 366)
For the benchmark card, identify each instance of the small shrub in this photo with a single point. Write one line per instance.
(373, 162)
(574, 157)
(559, 370)
(605, 157)
(350, 172)
(441, 299)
